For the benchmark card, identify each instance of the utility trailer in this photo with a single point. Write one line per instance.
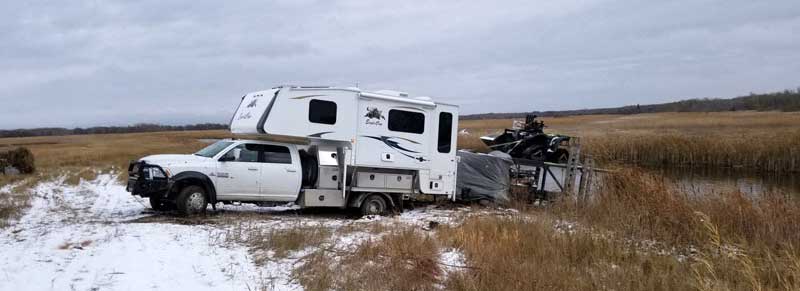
(497, 176)
(318, 147)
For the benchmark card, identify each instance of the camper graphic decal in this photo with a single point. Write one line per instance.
(394, 143)
(244, 116)
(319, 134)
(374, 116)
(252, 104)
(374, 113)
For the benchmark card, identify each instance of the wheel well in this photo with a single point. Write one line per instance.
(193, 181)
(358, 199)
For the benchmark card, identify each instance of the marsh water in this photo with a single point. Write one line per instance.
(700, 181)
(704, 181)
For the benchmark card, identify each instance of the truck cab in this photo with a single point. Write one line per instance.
(225, 171)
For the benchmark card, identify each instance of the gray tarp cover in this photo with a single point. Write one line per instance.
(483, 176)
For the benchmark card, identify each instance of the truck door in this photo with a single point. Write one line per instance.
(238, 173)
(280, 173)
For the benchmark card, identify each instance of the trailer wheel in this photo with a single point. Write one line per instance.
(374, 205)
(192, 200)
(159, 204)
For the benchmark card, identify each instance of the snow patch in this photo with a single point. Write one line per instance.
(79, 237)
(450, 261)
(5, 189)
(91, 236)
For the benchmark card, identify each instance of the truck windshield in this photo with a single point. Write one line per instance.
(213, 149)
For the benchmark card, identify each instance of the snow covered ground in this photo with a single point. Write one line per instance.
(96, 236)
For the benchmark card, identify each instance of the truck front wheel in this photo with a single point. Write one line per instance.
(192, 200)
(374, 205)
(159, 204)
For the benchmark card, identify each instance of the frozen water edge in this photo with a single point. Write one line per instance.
(86, 237)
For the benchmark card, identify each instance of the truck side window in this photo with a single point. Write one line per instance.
(406, 121)
(247, 153)
(276, 154)
(445, 132)
(321, 111)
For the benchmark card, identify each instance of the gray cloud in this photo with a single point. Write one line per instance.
(83, 63)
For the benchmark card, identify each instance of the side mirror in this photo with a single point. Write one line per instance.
(237, 153)
(231, 156)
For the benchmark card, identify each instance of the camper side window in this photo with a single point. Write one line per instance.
(406, 121)
(445, 132)
(321, 111)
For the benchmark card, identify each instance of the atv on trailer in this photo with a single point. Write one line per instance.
(530, 142)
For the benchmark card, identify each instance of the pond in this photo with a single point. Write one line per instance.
(700, 181)
(704, 181)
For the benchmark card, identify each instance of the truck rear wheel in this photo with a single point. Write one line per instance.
(192, 200)
(374, 205)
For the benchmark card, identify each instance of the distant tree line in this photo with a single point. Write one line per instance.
(788, 100)
(142, 127)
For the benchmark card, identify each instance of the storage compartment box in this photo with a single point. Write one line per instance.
(398, 181)
(328, 177)
(322, 198)
(371, 180)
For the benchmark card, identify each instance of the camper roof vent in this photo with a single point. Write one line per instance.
(423, 98)
(393, 93)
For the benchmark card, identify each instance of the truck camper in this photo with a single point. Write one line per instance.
(317, 147)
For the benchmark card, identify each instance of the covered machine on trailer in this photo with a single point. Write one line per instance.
(484, 177)
(358, 143)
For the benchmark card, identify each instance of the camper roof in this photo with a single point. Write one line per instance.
(391, 95)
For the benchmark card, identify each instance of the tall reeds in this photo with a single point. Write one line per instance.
(752, 141)
(762, 152)
(735, 241)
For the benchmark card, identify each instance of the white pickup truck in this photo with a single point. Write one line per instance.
(226, 171)
(254, 171)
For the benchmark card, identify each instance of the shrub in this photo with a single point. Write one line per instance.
(19, 158)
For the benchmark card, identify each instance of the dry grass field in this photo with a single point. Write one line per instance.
(80, 156)
(637, 233)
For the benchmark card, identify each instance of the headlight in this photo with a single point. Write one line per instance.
(156, 173)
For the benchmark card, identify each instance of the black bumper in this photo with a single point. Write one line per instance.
(140, 181)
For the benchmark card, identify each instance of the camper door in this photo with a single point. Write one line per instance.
(442, 175)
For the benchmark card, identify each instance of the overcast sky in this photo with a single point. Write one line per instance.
(87, 63)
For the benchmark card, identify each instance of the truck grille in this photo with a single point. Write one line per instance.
(133, 169)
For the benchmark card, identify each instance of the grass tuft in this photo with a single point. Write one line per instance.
(402, 259)
(531, 254)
